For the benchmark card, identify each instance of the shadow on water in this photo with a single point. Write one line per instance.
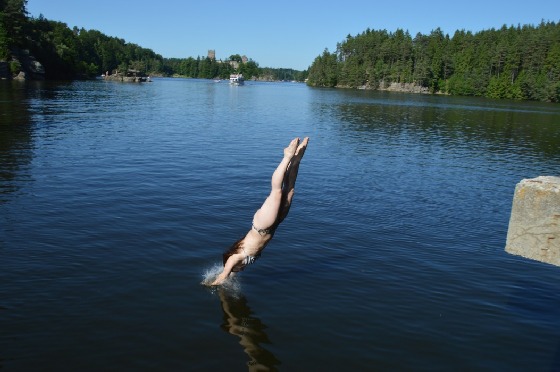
(239, 321)
(19, 120)
(16, 140)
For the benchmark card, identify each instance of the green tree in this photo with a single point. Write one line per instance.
(14, 21)
(68, 53)
(511, 62)
(236, 58)
(249, 69)
(422, 65)
(323, 72)
(4, 41)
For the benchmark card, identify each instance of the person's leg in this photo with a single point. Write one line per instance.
(267, 214)
(288, 188)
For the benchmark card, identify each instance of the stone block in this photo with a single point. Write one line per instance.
(534, 225)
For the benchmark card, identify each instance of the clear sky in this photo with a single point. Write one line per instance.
(288, 33)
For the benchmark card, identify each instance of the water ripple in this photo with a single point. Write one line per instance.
(115, 199)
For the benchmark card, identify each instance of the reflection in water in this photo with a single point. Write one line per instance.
(239, 322)
(15, 135)
(499, 127)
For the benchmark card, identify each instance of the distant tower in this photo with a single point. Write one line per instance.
(244, 59)
(212, 54)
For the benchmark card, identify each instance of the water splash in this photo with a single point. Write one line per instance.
(211, 273)
(231, 285)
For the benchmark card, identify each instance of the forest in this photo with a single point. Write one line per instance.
(516, 62)
(67, 53)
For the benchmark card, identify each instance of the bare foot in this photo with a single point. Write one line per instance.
(290, 151)
(302, 146)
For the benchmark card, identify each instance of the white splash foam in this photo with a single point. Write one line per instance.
(231, 284)
(211, 273)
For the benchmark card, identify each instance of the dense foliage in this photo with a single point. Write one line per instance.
(207, 68)
(13, 17)
(520, 62)
(69, 53)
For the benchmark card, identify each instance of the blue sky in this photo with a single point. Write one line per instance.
(280, 34)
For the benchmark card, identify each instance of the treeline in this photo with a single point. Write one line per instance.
(208, 68)
(66, 53)
(78, 53)
(520, 62)
(75, 53)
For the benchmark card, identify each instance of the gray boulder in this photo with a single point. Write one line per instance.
(534, 225)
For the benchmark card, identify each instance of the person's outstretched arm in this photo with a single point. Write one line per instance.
(232, 261)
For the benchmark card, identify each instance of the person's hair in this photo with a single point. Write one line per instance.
(235, 247)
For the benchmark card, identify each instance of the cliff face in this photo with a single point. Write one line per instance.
(30, 68)
(393, 87)
(404, 87)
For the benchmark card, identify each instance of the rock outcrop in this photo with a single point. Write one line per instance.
(404, 87)
(131, 76)
(31, 69)
(534, 226)
(392, 87)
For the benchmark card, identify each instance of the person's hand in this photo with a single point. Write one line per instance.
(219, 280)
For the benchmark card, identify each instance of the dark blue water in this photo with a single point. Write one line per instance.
(116, 199)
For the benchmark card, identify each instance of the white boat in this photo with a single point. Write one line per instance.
(236, 79)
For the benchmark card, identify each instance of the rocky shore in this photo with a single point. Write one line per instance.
(394, 87)
(131, 76)
(405, 88)
(23, 66)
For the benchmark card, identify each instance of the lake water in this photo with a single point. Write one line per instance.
(117, 199)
